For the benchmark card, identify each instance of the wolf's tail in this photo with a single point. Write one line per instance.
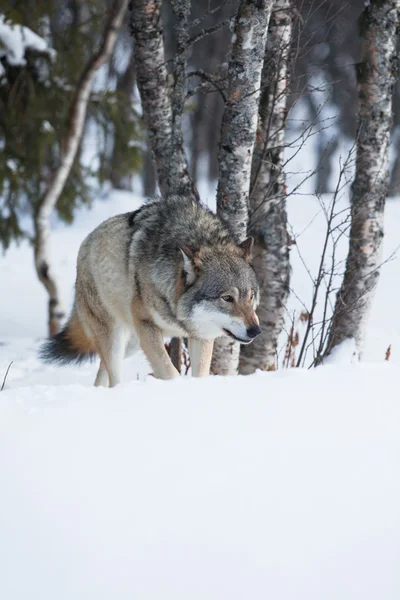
(71, 345)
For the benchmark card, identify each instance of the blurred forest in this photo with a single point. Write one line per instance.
(35, 97)
(35, 94)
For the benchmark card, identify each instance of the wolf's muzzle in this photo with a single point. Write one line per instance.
(253, 331)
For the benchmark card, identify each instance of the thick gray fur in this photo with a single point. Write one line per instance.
(171, 268)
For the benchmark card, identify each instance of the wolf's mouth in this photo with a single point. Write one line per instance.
(238, 339)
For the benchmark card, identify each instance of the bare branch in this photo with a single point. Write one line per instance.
(5, 376)
(210, 31)
(69, 147)
(210, 79)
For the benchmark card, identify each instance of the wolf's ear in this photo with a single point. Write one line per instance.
(247, 247)
(189, 265)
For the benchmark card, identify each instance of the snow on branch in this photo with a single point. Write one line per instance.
(15, 40)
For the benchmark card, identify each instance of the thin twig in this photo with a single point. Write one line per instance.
(5, 376)
(209, 79)
(198, 36)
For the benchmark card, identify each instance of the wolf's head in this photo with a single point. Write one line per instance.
(220, 292)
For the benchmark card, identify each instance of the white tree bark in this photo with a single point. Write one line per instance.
(376, 79)
(238, 134)
(162, 116)
(268, 219)
(70, 145)
(163, 106)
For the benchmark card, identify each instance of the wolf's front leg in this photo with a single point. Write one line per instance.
(152, 344)
(200, 356)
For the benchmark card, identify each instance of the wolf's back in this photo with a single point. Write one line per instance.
(70, 345)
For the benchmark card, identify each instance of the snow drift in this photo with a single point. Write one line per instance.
(281, 485)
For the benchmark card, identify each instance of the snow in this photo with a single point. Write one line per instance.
(47, 127)
(12, 165)
(16, 39)
(281, 485)
(343, 353)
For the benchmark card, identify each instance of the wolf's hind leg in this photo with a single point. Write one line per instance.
(112, 352)
(152, 343)
(200, 356)
(102, 376)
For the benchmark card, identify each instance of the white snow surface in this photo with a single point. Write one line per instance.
(280, 485)
(15, 39)
(343, 353)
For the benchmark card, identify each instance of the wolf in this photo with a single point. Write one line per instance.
(170, 268)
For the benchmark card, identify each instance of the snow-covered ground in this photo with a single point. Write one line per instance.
(281, 485)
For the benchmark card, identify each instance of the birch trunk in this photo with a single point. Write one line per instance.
(376, 79)
(163, 107)
(268, 219)
(152, 81)
(238, 134)
(70, 145)
(179, 180)
(162, 116)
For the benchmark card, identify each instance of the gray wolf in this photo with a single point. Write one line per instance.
(171, 268)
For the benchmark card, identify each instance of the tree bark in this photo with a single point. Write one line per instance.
(376, 78)
(268, 219)
(69, 149)
(149, 176)
(238, 134)
(152, 81)
(163, 107)
(178, 173)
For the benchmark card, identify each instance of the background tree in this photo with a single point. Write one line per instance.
(69, 148)
(37, 87)
(163, 117)
(162, 103)
(376, 78)
(238, 135)
(268, 219)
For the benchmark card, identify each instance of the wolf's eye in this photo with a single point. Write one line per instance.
(228, 298)
(252, 295)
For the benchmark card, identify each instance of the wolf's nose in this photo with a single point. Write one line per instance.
(253, 331)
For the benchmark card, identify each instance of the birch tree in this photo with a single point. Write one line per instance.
(238, 134)
(70, 146)
(162, 116)
(163, 106)
(376, 78)
(267, 217)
